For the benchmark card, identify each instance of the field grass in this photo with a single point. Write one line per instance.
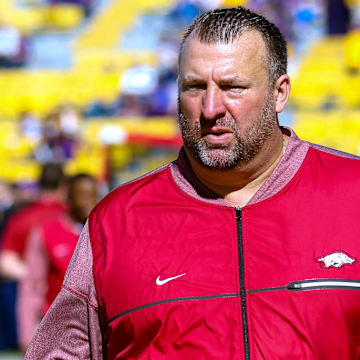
(10, 355)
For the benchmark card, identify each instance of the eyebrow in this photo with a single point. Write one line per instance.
(191, 78)
(226, 80)
(233, 80)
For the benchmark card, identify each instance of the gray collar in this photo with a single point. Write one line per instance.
(285, 170)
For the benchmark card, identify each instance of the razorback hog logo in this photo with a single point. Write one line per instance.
(336, 259)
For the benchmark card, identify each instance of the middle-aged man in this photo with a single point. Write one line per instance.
(246, 247)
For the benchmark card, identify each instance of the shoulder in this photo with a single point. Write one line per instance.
(24, 213)
(335, 166)
(336, 153)
(331, 158)
(57, 228)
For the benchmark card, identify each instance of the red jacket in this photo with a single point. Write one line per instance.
(60, 238)
(20, 225)
(180, 275)
(47, 257)
(250, 283)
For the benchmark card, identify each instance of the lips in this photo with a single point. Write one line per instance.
(217, 136)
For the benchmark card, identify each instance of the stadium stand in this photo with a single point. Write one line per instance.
(110, 42)
(323, 78)
(337, 128)
(98, 64)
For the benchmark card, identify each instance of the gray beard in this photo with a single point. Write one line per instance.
(241, 150)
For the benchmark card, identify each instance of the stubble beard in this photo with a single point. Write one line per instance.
(243, 148)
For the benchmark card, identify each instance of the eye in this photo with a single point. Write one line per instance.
(233, 88)
(193, 87)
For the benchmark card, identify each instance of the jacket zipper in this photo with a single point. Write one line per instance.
(242, 283)
(314, 284)
(317, 284)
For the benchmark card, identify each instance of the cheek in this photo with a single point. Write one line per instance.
(246, 110)
(190, 106)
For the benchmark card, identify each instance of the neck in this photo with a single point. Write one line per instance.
(51, 195)
(75, 217)
(238, 186)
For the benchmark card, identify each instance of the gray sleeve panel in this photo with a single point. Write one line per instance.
(334, 151)
(70, 329)
(79, 275)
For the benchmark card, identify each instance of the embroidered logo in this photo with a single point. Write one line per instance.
(162, 282)
(336, 259)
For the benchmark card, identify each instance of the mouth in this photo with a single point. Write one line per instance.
(217, 136)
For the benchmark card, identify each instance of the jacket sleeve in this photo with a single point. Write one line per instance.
(32, 288)
(70, 329)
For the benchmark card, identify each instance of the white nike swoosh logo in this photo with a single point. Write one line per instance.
(162, 282)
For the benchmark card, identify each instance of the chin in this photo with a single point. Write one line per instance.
(220, 159)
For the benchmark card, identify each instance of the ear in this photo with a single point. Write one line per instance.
(281, 92)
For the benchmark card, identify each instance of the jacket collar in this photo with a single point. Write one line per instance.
(286, 169)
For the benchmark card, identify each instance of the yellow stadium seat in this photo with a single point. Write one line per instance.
(338, 129)
(234, 3)
(352, 50)
(352, 3)
(89, 158)
(349, 92)
(64, 16)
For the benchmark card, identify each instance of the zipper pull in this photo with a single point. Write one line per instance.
(294, 286)
(238, 213)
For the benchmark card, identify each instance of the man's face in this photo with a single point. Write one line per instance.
(83, 198)
(226, 105)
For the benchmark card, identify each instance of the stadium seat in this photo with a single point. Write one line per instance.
(352, 51)
(338, 129)
(64, 16)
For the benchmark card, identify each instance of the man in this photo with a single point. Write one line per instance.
(49, 205)
(22, 218)
(48, 255)
(244, 248)
(13, 198)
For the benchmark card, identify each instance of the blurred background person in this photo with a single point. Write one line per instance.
(58, 139)
(22, 211)
(48, 205)
(13, 197)
(48, 254)
(8, 333)
(12, 46)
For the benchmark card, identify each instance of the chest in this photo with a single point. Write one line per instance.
(60, 242)
(196, 275)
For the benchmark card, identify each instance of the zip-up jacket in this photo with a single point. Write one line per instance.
(176, 273)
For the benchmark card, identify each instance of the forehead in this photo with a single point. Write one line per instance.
(246, 53)
(83, 184)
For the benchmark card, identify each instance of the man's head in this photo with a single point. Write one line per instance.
(51, 176)
(232, 84)
(82, 196)
(226, 25)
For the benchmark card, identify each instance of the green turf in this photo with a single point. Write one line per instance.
(10, 355)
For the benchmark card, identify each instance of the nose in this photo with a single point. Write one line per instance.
(213, 106)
